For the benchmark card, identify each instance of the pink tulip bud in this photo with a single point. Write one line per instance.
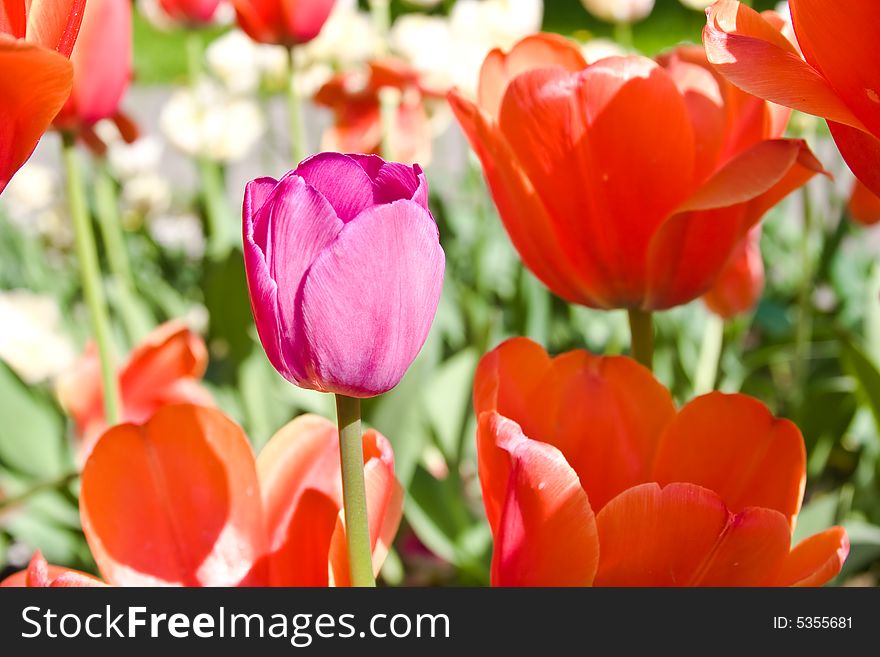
(344, 268)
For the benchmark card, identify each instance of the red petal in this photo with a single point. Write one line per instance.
(861, 152)
(756, 57)
(544, 528)
(55, 23)
(732, 445)
(34, 84)
(815, 560)
(175, 501)
(864, 205)
(739, 287)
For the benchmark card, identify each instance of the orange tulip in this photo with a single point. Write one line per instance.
(591, 477)
(282, 22)
(830, 72)
(627, 183)
(102, 68)
(864, 205)
(180, 500)
(36, 39)
(357, 114)
(40, 574)
(738, 289)
(164, 369)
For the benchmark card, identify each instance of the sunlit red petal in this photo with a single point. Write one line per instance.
(864, 205)
(815, 560)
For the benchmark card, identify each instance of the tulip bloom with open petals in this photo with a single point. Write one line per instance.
(102, 64)
(613, 206)
(194, 13)
(164, 368)
(35, 75)
(738, 289)
(344, 268)
(831, 72)
(180, 500)
(282, 22)
(357, 113)
(591, 477)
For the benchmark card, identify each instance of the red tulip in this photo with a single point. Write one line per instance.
(739, 287)
(40, 574)
(831, 71)
(563, 146)
(591, 476)
(102, 63)
(36, 39)
(195, 13)
(864, 205)
(282, 22)
(357, 126)
(164, 369)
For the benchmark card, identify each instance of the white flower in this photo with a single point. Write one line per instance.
(234, 60)
(144, 195)
(699, 5)
(179, 232)
(348, 37)
(619, 11)
(423, 4)
(31, 340)
(32, 192)
(596, 49)
(208, 122)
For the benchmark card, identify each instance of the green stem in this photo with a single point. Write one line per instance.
(804, 328)
(389, 98)
(381, 13)
(642, 331)
(194, 56)
(295, 112)
(90, 274)
(623, 34)
(710, 353)
(354, 494)
(110, 224)
(53, 484)
(221, 237)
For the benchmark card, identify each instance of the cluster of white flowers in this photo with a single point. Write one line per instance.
(619, 11)
(32, 341)
(33, 203)
(450, 50)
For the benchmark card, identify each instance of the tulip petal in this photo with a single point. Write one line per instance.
(339, 179)
(684, 535)
(864, 205)
(582, 139)
(739, 287)
(521, 209)
(542, 523)
(734, 446)
(536, 51)
(861, 152)
(189, 472)
(815, 560)
(13, 18)
(756, 57)
(369, 299)
(301, 484)
(55, 24)
(40, 574)
(852, 71)
(34, 84)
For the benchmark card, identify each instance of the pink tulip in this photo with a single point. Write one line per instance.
(344, 269)
(102, 63)
(190, 12)
(282, 22)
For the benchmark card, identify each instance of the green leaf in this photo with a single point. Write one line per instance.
(447, 401)
(860, 367)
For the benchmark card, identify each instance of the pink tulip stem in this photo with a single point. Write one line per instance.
(90, 274)
(295, 111)
(354, 493)
(642, 332)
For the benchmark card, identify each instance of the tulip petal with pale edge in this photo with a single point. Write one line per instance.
(339, 179)
(535, 51)
(55, 23)
(544, 528)
(370, 297)
(756, 57)
(684, 535)
(815, 560)
(582, 139)
(861, 152)
(41, 574)
(852, 70)
(520, 207)
(734, 446)
(301, 486)
(34, 84)
(175, 502)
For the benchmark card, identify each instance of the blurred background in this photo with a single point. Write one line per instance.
(210, 107)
